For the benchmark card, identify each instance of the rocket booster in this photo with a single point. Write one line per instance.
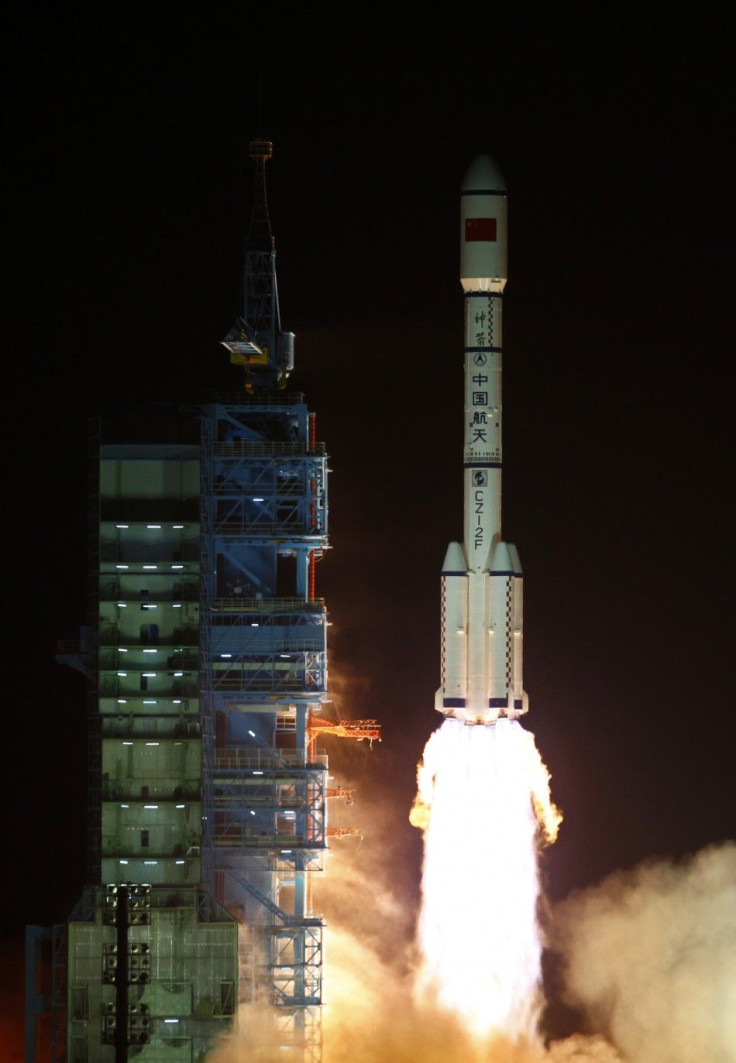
(481, 577)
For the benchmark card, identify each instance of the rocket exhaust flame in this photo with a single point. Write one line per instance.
(483, 802)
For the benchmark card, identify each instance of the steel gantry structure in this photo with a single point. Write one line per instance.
(207, 671)
(264, 511)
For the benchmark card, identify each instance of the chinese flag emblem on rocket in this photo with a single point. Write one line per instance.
(480, 229)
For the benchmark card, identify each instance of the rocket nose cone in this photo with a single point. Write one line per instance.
(483, 175)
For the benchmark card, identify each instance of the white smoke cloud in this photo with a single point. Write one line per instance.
(581, 1049)
(650, 958)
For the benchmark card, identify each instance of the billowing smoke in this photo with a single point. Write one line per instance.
(650, 958)
(582, 1049)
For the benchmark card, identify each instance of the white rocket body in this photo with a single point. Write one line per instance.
(482, 613)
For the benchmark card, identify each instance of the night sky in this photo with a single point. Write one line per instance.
(130, 188)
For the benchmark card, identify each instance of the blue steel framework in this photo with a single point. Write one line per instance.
(263, 649)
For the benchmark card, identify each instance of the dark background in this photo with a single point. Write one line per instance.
(129, 192)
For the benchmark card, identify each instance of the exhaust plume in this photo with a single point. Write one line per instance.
(483, 802)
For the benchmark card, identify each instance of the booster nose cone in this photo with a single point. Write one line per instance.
(483, 175)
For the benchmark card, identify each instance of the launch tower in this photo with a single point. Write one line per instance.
(206, 661)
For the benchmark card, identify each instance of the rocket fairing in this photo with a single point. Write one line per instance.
(481, 578)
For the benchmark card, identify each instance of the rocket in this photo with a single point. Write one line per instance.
(482, 582)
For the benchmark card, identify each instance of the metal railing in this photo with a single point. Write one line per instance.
(273, 606)
(266, 759)
(241, 448)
